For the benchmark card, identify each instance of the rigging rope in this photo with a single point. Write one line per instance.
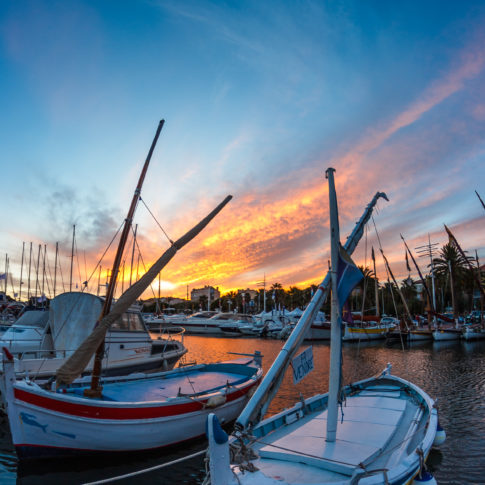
(154, 218)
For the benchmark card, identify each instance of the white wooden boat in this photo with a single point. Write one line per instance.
(447, 333)
(134, 413)
(365, 332)
(381, 434)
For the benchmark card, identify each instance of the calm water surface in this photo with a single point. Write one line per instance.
(451, 372)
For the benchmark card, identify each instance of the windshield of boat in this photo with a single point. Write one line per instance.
(129, 322)
(33, 318)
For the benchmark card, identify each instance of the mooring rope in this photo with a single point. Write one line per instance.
(146, 470)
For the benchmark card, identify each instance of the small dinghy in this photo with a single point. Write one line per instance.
(376, 431)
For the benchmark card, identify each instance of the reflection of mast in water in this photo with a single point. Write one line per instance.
(429, 250)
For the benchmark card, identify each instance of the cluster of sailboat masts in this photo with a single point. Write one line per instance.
(42, 281)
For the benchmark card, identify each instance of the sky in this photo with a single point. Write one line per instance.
(259, 98)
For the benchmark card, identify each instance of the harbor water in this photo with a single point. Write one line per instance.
(452, 373)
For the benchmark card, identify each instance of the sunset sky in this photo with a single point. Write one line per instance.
(259, 98)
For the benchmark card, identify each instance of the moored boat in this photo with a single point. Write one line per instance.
(382, 433)
(133, 413)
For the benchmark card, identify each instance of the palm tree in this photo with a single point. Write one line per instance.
(277, 290)
(450, 263)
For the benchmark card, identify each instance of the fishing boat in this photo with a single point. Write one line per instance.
(152, 410)
(131, 413)
(379, 430)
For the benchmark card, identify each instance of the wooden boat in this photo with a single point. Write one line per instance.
(134, 412)
(382, 433)
(131, 413)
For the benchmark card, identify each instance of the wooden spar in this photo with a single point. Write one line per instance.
(78, 361)
(455, 242)
(117, 261)
(336, 319)
(398, 290)
(21, 272)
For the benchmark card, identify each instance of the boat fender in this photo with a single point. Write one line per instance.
(440, 436)
(215, 401)
(424, 478)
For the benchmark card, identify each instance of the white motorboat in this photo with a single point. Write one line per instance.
(43, 346)
(200, 323)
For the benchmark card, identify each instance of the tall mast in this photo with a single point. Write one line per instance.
(376, 283)
(133, 252)
(37, 286)
(43, 275)
(95, 391)
(6, 273)
(99, 280)
(72, 255)
(123, 278)
(30, 266)
(336, 328)
(21, 272)
(55, 268)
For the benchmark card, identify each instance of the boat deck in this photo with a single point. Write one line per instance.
(164, 389)
(373, 421)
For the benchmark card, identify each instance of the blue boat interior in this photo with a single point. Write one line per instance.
(193, 383)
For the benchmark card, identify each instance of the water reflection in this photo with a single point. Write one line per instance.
(451, 372)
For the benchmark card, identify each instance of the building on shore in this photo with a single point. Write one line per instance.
(209, 292)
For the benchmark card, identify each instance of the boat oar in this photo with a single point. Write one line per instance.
(78, 361)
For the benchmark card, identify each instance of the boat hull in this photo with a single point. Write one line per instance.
(379, 420)
(446, 334)
(45, 423)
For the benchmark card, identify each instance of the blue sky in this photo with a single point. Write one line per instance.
(259, 99)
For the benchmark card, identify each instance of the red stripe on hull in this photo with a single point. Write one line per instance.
(118, 413)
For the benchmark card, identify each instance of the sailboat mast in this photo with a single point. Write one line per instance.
(133, 252)
(117, 261)
(6, 273)
(43, 275)
(376, 283)
(72, 255)
(336, 328)
(21, 272)
(37, 285)
(55, 268)
(30, 267)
